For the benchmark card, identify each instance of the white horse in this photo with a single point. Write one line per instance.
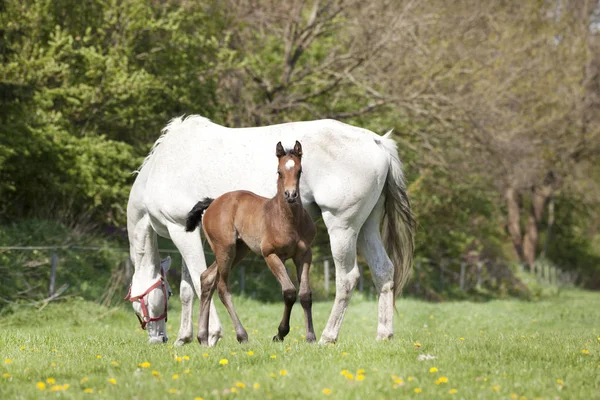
(352, 178)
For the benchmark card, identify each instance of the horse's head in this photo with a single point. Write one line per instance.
(151, 306)
(289, 171)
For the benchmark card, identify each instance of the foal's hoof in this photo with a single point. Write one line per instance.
(311, 338)
(276, 338)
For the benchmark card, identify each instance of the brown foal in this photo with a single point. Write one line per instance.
(277, 228)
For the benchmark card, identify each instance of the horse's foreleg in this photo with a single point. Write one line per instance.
(303, 262)
(190, 247)
(371, 247)
(208, 280)
(343, 249)
(289, 294)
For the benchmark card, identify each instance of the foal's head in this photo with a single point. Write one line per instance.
(289, 171)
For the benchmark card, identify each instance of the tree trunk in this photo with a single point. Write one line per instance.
(514, 220)
(539, 196)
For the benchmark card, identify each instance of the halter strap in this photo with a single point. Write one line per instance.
(146, 316)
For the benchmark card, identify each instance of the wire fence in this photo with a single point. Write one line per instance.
(430, 278)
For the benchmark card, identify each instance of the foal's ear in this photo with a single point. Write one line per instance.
(279, 150)
(298, 149)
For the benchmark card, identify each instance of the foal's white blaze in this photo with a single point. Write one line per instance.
(290, 164)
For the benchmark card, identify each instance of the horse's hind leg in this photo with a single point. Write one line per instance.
(303, 262)
(382, 270)
(190, 247)
(289, 294)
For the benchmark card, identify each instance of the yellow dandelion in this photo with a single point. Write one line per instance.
(433, 370)
(178, 359)
(54, 350)
(399, 381)
(272, 375)
(205, 355)
(250, 353)
(344, 353)
(443, 379)
(144, 364)
(233, 390)
(88, 390)
(256, 386)
(417, 345)
(66, 386)
(453, 391)
(241, 385)
(344, 372)
(495, 388)
(53, 365)
(349, 376)
(522, 398)
(360, 371)
(326, 391)
(437, 381)
(155, 373)
(116, 364)
(360, 377)
(223, 361)
(175, 376)
(288, 348)
(98, 356)
(410, 378)
(8, 361)
(51, 381)
(560, 382)
(172, 391)
(198, 398)
(418, 390)
(56, 388)
(514, 396)
(462, 338)
(187, 371)
(283, 372)
(41, 385)
(585, 351)
(83, 380)
(23, 347)
(233, 353)
(112, 381)
(186, 358)
(6, 375)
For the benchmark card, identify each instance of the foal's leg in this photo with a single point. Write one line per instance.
(226, 260)
(303, 262)
(208, 281)
(288, 290)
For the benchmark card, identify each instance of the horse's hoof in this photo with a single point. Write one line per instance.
(327, 340)
(182, 341)
(311, 338)
(385, 336)
(276, 338)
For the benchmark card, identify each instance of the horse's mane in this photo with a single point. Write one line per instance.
(172, 124)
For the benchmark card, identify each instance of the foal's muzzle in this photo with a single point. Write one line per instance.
(290, 196)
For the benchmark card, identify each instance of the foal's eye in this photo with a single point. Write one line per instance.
(279, 173)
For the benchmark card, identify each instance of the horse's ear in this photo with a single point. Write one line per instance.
(298, 149)
(279, 150)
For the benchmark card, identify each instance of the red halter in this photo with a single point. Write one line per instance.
(146, 316)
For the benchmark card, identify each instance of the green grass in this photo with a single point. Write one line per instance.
(509, 347)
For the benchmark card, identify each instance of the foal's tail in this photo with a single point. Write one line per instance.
(398, 226)
(194, 217)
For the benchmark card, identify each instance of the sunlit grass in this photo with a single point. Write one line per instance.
(500, 349)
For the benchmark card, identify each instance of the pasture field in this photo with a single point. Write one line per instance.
(506, 349)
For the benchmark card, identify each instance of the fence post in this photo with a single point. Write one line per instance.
(463, 270)
(479, 278)
(418, 276)
(326, 267)
(360, 278)
(128, 271)
(53, 273)
(243, 278)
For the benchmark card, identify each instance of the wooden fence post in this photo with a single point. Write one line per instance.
(53, 273)
(326, 267)
(243, 278)
(479, 277)
(463, 270)
(360, 278)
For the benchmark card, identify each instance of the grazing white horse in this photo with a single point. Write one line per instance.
(352, 178)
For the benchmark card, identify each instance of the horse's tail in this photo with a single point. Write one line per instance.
(194, 217)
(398, 225)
